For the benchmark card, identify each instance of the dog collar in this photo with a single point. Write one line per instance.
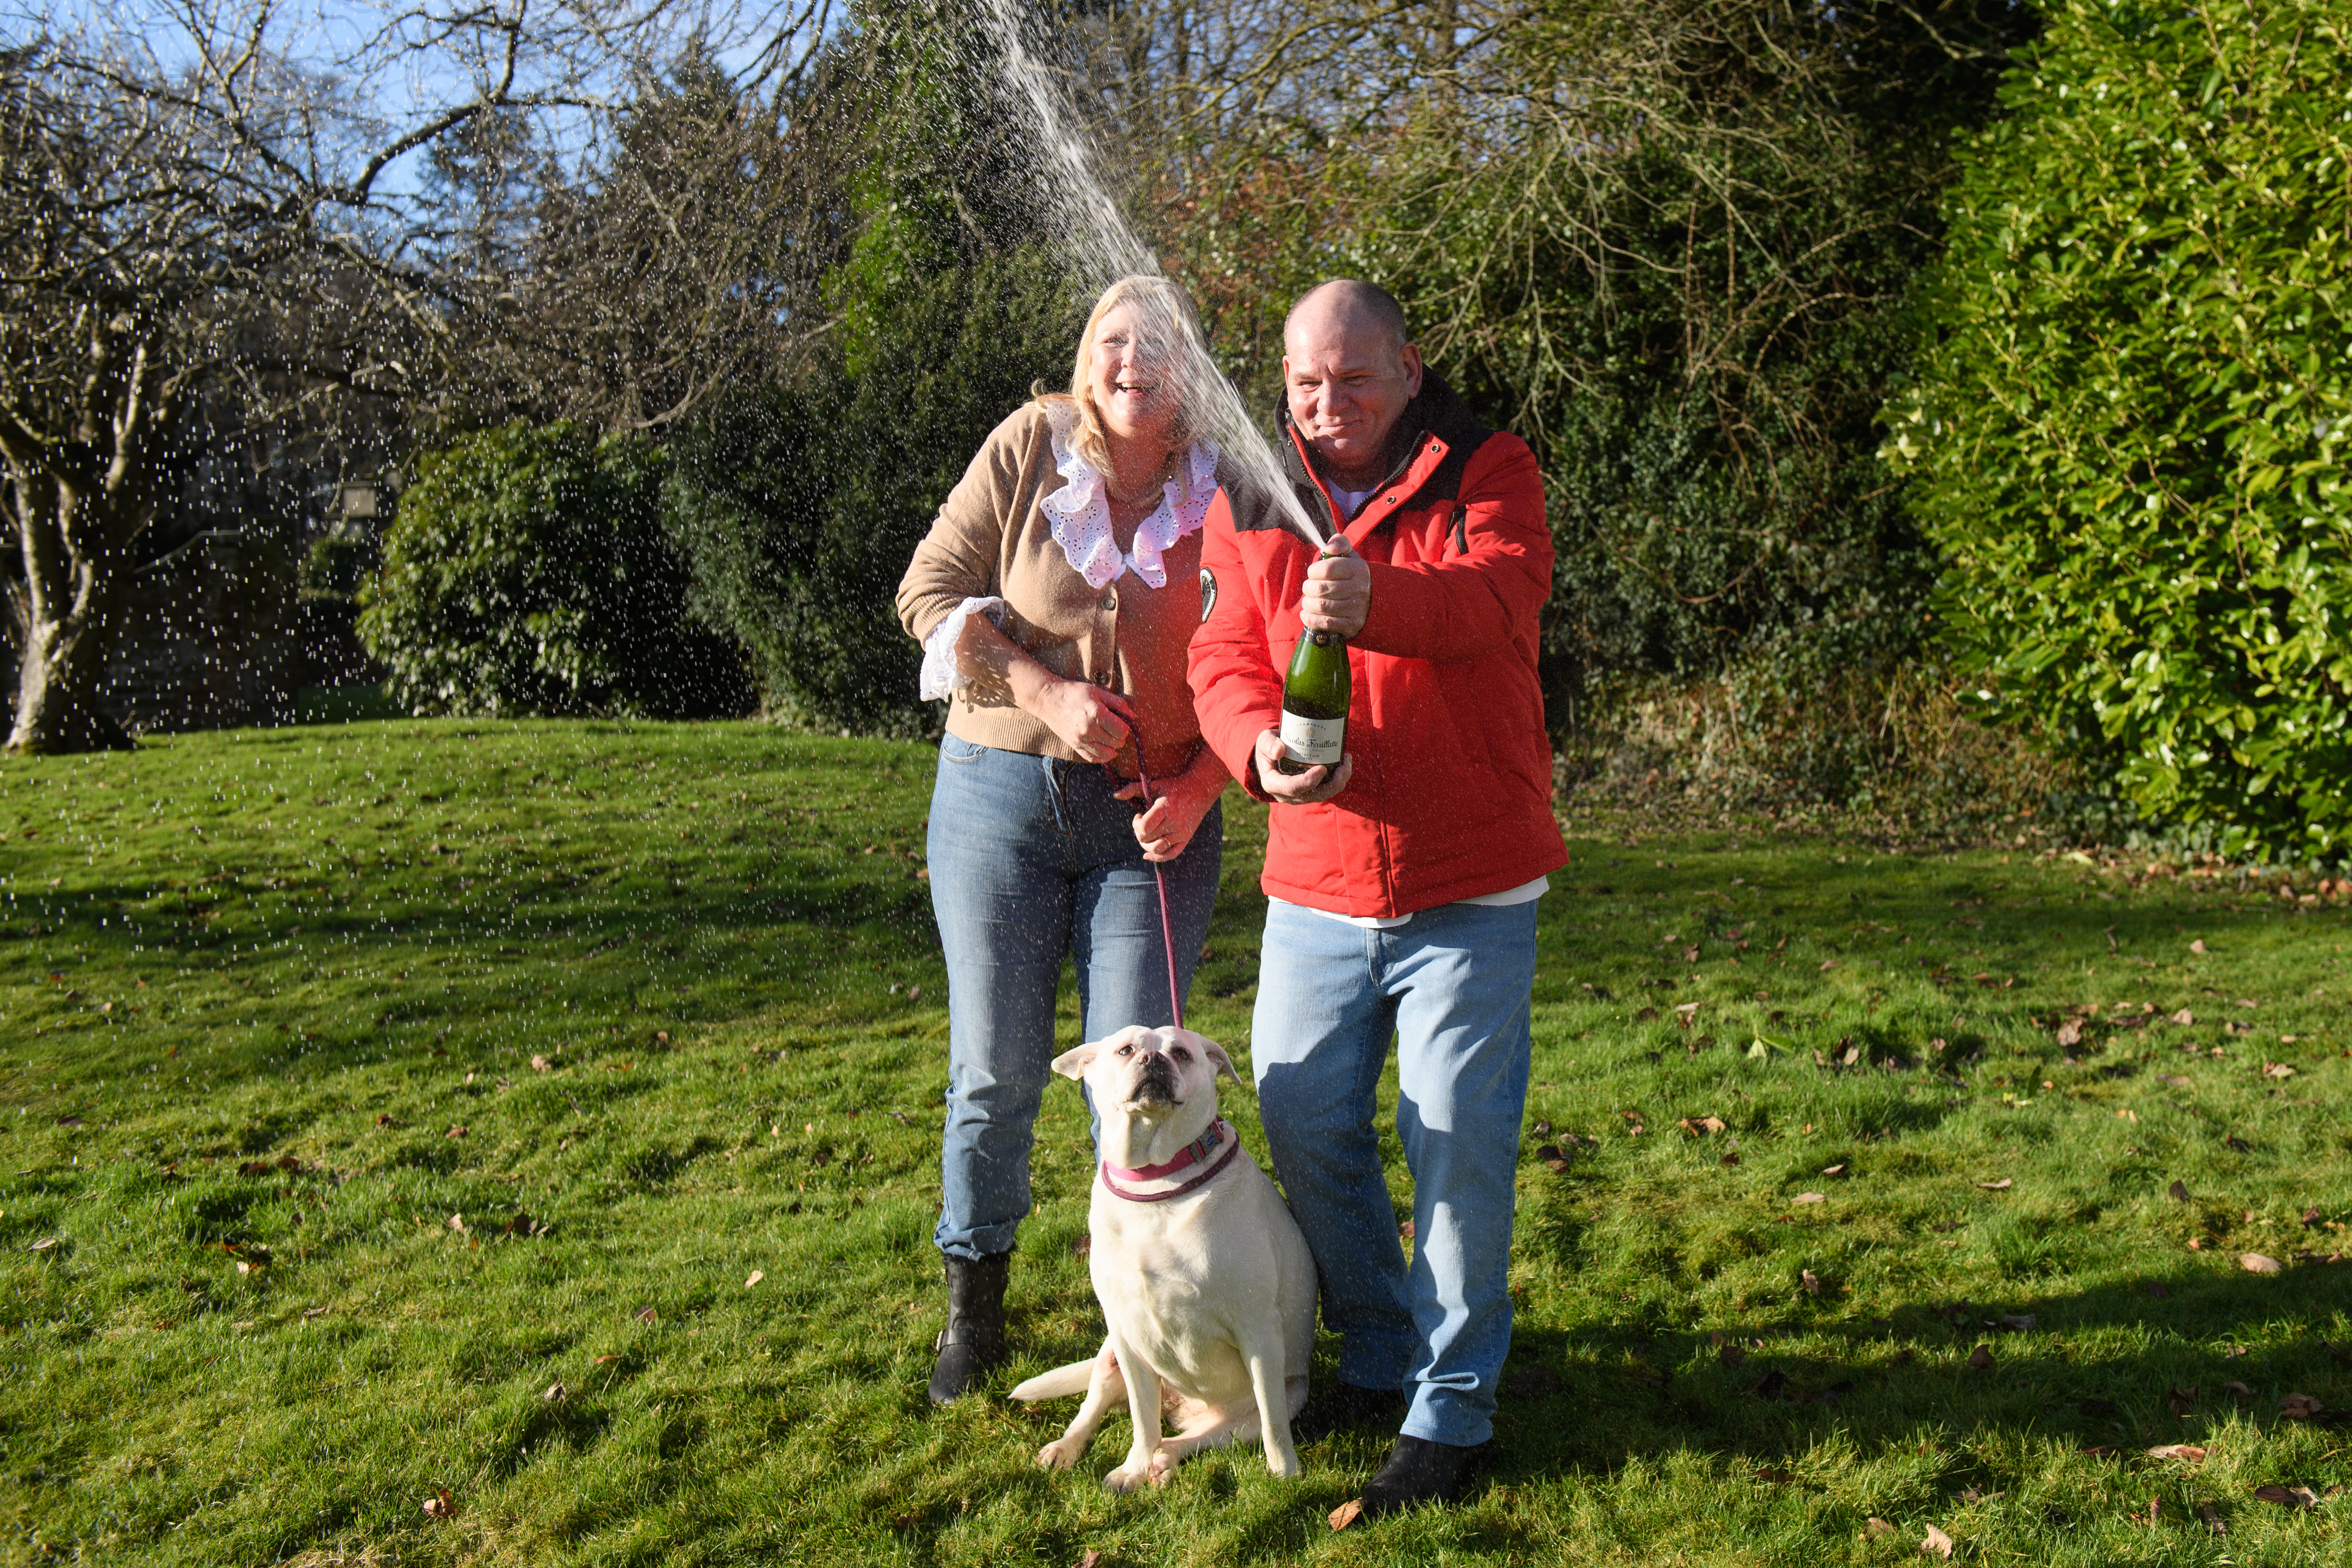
(1192, 1153)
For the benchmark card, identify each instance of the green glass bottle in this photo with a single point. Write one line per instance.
(1315, 697)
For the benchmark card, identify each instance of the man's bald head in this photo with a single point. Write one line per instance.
(1348, 371)
(1351, 306)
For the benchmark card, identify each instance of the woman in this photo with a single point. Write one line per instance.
(1054, 598)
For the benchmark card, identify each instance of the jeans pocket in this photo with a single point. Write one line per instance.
(953, 749)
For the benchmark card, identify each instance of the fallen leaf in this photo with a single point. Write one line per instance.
(2197, 946)
(1093, 1558)
(2155, 1288)
(606, 1360)
(2001, 1186)
(1833, 1171)
(645, 1315)
(2177, 1191)
(1809, 1198)
(2237, 1390)
(2018, 1322)
(2178, 1080)
(2300, 1407)
(1729, 1160)
(1083, 1247)
(2255, 1263)
(439, 1506)
(456, 1133)
(2195, 1244)
(1700, 1127)
(1404, 1231)
(1812, 1282)
(2291, 1496)
(540, 1064)
(2311, 1216)
(2212, 1518)
(384, 1120)
(1980, 1358)
(45, 1244)
(2190, 1452)
(314, 1313)
(556, 1393)
(1775, 1474)
(1346, 1513)
(2184, 1018)
(2277, 1069)
(2096, 1406)
(458, 1223)
(1937, 1542)
(2181, 1401)
(1877, 1529)
(757, 1276)
(2070, 1033)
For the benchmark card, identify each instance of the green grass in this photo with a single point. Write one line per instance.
(250, 984)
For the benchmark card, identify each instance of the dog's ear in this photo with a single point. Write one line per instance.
(1216, 1054)
(1075, 1062)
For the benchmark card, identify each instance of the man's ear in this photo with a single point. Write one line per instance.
(1075, 1062)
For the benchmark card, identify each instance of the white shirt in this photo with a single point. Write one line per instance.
(1350, 501)
(1526, 892)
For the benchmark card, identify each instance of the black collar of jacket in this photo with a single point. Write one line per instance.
(1434, 411)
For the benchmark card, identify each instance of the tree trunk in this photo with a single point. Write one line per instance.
(68, 610)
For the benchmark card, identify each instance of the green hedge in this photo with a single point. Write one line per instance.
(2130, 425)
(527, 572)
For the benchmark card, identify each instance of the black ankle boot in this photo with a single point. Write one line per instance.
(974, 1341)
(1420, 1471)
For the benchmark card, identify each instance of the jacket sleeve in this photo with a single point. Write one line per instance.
(960, 558)
(1476, 603)
(1236, 692)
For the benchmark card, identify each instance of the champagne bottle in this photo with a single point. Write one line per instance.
(1315, 696)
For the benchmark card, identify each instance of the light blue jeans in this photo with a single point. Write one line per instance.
(1452, 985)
(1032, 861)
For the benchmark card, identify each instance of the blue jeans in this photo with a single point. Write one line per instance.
(1032, 859)
(1453, 986)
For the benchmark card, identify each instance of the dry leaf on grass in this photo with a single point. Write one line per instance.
(1811, 1281)
(2181, 1401)
(2184, 1018)
(556, 1393)
(456, 1133)
(2277, 1069)
(1937, 1542)
(1833, 1171)
(2212, 1518)
(2070, 1033)
(1775, 1474)
(45, 1244)
(540, 1064)
(2300, 1407)
(1980, 1358)
(2290, 1497)
(2018, 1322)
(1404, 1231)
(1346, 1513)
(1093, 1558)
(2236, 1390)
(2311, 1216)
(2177, 1191)
(606, 1360)
(2255, 1263)
(1083, 1248)
(2001, 1186)
(645, 1315)
(1809, 1198)
(458, 1223)
(2189, 1452)
(439, 1505)
(1701, 1126)
(757, 1275)
(1729, 1160)
(1877, 1529)
(2198, 946)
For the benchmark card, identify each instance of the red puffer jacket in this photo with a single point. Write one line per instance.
(1452, 793)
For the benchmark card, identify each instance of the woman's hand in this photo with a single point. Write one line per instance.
(1091, 721)
(1165, 828)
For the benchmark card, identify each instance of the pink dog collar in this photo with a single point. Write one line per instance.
(1192, 1153)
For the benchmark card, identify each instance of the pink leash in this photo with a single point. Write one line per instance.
(1159, 875)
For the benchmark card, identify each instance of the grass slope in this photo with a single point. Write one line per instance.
(295, 1235)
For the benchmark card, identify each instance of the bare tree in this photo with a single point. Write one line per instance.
(200, 195)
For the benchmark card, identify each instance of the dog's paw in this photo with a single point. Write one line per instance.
(1162, 1469)
(1127, 1477)
(1284, 1466)
(1059, 1455)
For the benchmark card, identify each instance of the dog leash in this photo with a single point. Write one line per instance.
(1158, 874)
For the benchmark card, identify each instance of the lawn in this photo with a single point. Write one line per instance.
(544, 1118)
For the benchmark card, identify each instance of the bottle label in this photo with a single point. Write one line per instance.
(1315, 741)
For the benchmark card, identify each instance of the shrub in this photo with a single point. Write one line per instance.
(2131, 422)
(527, 572)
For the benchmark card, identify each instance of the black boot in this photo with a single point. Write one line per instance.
(974, 1341)
(1420, 1471)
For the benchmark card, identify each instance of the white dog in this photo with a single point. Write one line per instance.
(1205, 1283)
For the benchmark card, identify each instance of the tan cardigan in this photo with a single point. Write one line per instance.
(992, 537)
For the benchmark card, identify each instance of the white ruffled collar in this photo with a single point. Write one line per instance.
(1079, 513)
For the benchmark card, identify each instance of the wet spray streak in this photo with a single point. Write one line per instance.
(1094, 233)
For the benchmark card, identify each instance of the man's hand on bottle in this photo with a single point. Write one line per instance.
(1338, 593)
(1316, 783)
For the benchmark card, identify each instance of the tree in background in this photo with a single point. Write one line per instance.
(2129, 421)
(527, 572)
(800, 501)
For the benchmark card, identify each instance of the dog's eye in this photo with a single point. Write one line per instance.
(1182, 1055)
(1127, 1050)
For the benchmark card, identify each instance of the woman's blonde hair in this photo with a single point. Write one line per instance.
(1164, 318)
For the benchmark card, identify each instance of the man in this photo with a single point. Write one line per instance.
(1405, 879)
